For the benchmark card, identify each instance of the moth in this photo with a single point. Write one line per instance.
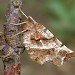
(42, 45)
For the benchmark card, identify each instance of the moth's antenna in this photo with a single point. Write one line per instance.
(23, 13)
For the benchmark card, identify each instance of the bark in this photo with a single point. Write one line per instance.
(12, 66)
(12, 46)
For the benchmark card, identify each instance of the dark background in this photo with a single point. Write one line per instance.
(59, 17)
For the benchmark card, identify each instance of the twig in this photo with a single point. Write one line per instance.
(11, 57)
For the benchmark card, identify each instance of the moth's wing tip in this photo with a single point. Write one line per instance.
(71, 55)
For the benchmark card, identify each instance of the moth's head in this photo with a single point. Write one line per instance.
(29, 24)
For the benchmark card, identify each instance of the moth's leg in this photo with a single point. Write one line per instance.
(21, 32)
(18, 23)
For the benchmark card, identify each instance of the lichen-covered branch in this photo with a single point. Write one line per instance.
(10, 52)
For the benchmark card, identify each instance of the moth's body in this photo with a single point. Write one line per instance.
(42, 45)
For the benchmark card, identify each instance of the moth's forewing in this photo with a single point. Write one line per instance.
(42, 45)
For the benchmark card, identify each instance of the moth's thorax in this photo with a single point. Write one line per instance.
(29, 25)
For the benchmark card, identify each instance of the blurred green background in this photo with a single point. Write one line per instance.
(59, 17)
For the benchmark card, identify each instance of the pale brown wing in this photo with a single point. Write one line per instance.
(42, 45)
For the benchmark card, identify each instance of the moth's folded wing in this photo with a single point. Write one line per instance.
(42, 46)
